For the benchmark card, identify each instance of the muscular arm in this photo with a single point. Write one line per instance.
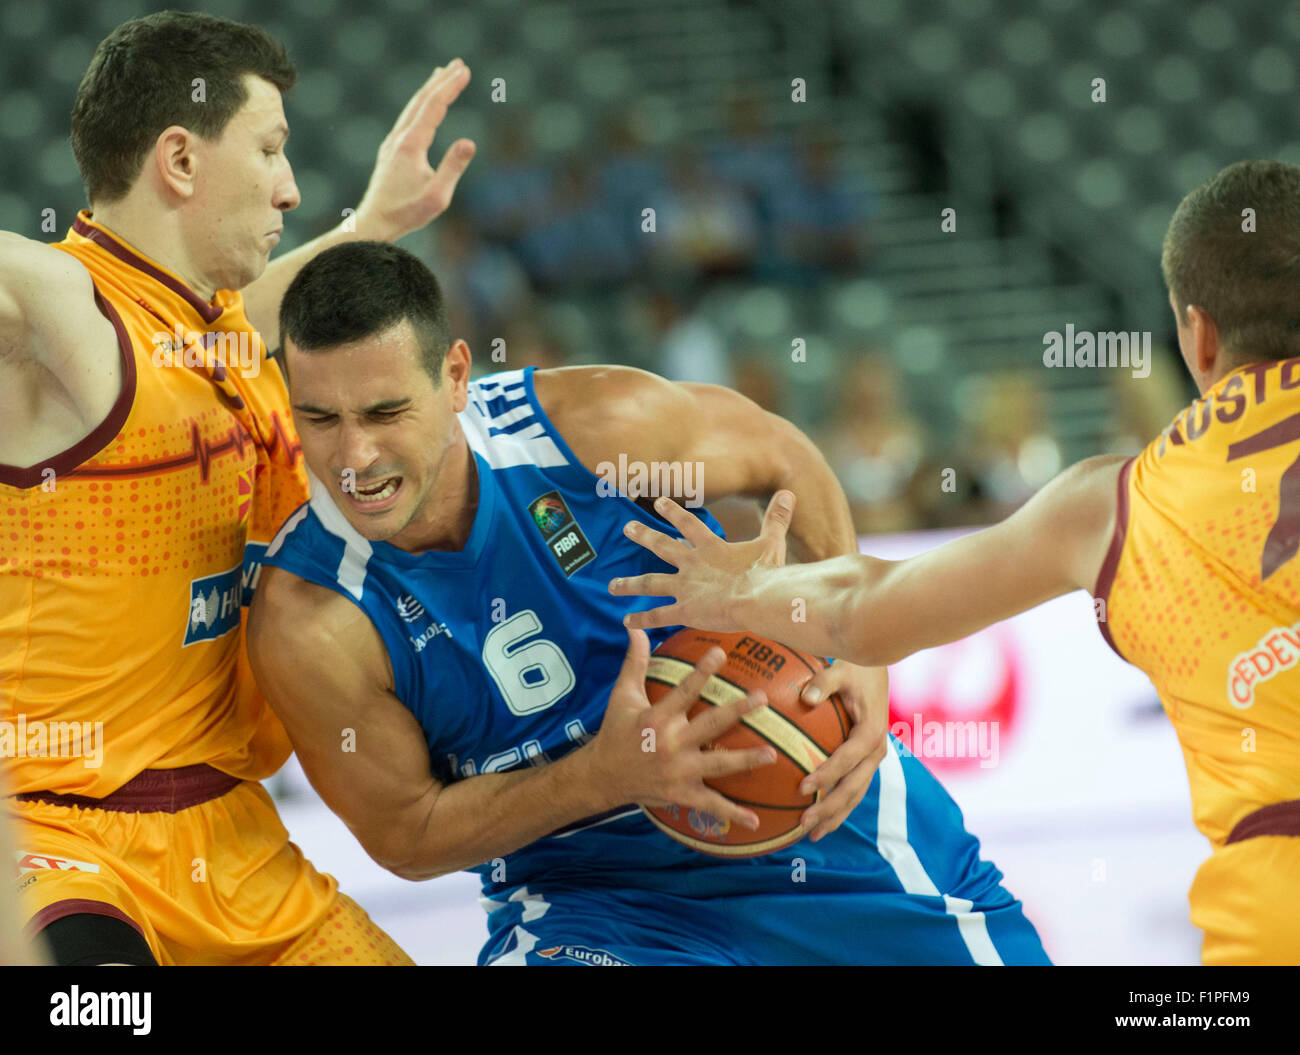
(60, 371)
(740, 449)
(876, 612)
(325, 671)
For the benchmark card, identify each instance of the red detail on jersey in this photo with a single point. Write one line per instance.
(201, 452)
(66, 462)
(1284, 537)
(1106, 578)
(246, 493)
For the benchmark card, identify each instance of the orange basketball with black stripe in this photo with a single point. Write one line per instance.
(803, 736)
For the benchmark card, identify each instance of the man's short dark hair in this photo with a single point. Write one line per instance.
(360, 289)
(141, 81)
(1248, 281)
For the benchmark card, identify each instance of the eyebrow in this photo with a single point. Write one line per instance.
(374, 408)
(281, 128)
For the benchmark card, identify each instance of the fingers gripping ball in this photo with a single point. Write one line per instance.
(803, 737)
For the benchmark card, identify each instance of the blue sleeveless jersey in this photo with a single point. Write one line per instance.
(506, 652)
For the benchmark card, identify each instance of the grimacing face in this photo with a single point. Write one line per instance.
(376, 431)
(244, 185)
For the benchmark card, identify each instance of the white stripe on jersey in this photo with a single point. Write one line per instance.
(974, 931)
(891, 839)
(351, 572)
(488, 905)
(511, 416)
(596, 824)
(527, 446)
(535, 907)
(525, 942)
(286, 529)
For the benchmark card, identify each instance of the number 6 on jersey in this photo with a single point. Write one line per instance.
(530, 677)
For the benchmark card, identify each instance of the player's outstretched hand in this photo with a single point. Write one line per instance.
(711, 573)
(405, 191)
(651, 754)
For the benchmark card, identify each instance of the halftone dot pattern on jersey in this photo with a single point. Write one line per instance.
(1190, 606)
(346, 937)
(93, 526)
(102, 564)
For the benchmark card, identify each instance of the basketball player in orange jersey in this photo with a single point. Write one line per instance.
(1191, 545)
(147, 454)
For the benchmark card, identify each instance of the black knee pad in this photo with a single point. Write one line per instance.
(87, 939)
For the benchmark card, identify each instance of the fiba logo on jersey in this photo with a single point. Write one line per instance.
(409, 608)
(549, 513)
(564, 538)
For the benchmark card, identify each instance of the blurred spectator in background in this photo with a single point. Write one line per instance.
(576, 240)
(816, 223)
(757, 378)
(704, 226)
(529, 340)
(749, 155)
(873, 444)
(483, 284)
(632, 177)
(1144, 406)
(688, 347)
(509, 196)
(1009, 443)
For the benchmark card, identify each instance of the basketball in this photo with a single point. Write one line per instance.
(803, 737)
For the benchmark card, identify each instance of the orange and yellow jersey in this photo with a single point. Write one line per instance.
(1202, 588)
(125, 561)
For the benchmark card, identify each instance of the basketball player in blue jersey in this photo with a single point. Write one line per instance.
(434, 629)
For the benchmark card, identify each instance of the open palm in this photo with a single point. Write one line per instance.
(711, 573)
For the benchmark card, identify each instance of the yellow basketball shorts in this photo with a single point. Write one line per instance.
(1244, 897)
(196, 861)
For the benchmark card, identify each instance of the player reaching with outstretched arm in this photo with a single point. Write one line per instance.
(434, 629)
(1189, 550)
(147, 455)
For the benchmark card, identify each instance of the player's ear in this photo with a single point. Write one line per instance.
(456, 366)
(176, 160)
(1205, 338)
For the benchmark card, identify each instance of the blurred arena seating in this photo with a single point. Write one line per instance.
(776, 220)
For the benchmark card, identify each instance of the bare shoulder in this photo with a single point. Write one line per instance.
(602, 407)
(294, 625)
(1079, 510)
(289, 609)
(60, 363)
(47, 291)
(565, 390)
(1092, 483)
